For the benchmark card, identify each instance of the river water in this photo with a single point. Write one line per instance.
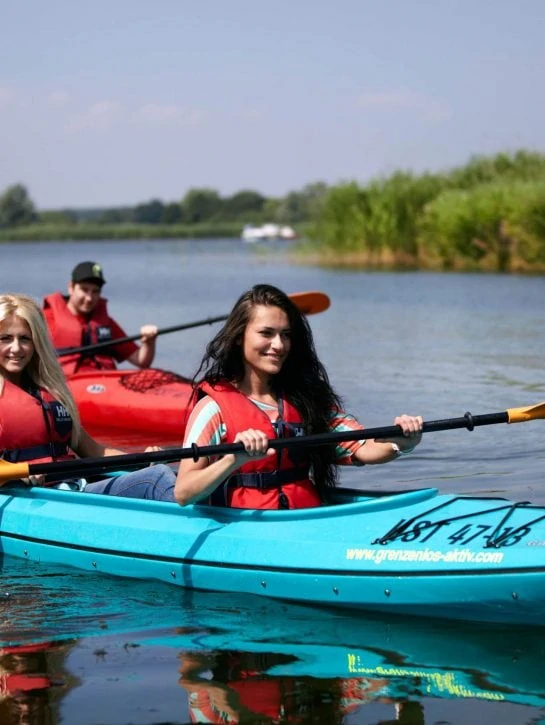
(436, 344)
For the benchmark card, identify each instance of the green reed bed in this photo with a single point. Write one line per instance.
(487, 216)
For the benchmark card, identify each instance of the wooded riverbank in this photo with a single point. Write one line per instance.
(488, 215)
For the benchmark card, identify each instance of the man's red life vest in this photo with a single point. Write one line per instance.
(33, 427)
(282, 481)
(68, 330)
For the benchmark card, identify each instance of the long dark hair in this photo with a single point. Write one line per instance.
(302, 380)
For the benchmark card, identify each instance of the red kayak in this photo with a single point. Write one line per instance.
(152, 402)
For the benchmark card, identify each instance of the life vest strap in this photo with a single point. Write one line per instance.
(46, 450)
(269, 479)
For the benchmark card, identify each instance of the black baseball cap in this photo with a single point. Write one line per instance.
(88, 272)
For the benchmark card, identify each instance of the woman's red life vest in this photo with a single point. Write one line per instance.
(259, 697)
(282, 481)
(34, 426)
(68, 330)
(248, 689)
(11, 683)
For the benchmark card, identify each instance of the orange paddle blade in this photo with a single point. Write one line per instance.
(530, 412)
(12, 471)
(310, 303)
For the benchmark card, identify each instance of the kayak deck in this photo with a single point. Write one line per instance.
(149, 400)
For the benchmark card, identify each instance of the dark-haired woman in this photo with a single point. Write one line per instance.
(261, 379)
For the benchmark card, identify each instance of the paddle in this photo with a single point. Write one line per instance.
(11, 471)
(310, 303)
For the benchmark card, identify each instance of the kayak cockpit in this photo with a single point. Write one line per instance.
(340, 501)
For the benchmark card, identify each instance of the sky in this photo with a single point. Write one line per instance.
(116, 102)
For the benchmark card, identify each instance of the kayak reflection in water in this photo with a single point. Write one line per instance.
(39, 421)
(234, 687)
(261, 379)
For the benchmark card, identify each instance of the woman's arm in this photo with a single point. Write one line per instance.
(374, 451)
(198, 479)
(87, 447)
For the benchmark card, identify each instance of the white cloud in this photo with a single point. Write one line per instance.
(101, 116)
(431, 108)
(155, 114)
(58, 99)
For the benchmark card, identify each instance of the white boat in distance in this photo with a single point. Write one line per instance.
(253, 233)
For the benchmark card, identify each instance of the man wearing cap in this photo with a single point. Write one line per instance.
(82, 318)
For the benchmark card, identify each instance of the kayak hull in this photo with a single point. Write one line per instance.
(344, 555)
(149, 400)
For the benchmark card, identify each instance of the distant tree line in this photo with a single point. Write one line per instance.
(198, 206)
(486, 215)
(16, 207)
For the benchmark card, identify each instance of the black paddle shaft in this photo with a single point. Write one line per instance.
(129, 460)
(62, 352)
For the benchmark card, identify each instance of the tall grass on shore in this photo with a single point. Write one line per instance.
(486, 216)
(497, 226)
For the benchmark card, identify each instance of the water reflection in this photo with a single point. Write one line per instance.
(122, 652)
(25, 680)
(235, 687)
(156, 654)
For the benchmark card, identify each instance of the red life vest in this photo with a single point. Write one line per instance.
(33, 427)
(244, 675)
(281, 481)
(68, 330)
(11, 683)
(25, 649)
(259, 697)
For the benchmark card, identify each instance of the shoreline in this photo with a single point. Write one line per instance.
(305, 252)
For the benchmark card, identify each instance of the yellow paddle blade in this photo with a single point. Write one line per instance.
(531, 412)
(310, 303)
(12, 471)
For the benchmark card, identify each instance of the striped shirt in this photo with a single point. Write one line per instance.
(206, 427)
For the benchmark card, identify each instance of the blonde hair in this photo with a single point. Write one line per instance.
(43, 369)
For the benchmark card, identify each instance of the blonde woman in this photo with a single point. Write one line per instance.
(39, 421)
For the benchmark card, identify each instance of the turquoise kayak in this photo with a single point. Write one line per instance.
(411, 552)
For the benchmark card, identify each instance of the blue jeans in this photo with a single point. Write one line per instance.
(154, 482)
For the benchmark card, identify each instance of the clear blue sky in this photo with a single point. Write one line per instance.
(116, 102)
